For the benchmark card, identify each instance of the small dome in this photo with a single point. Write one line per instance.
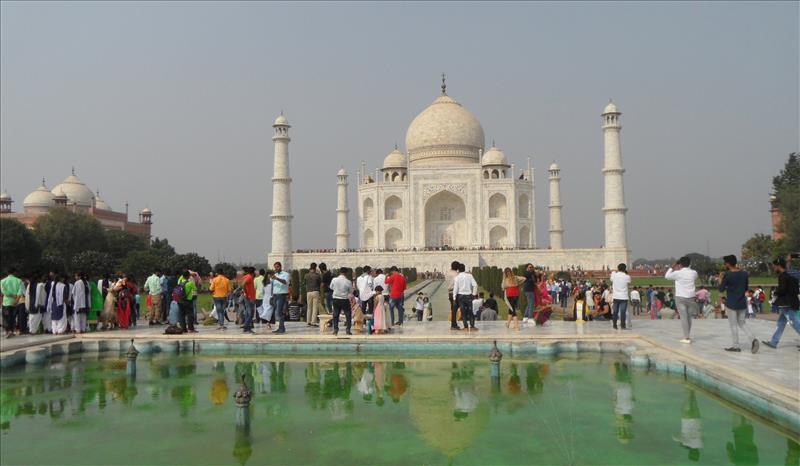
(395, 159)
(75, 190)
(554, 166)
(146, 211)
(4, 196)
(494, 156)
(341, 172)
(100, 204)
(42, 197)
(281, 120)
(610, 108)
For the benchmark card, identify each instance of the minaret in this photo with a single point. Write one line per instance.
(342, 231)
(614, 207)
(556, 230)
(281, 199)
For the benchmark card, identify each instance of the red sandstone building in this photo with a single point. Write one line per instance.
(74, 195)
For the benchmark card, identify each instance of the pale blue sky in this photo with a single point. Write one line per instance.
(169, 105)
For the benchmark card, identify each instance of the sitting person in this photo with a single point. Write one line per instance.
(666, 313)
(709, 312)
(488, 314)
(601, 311)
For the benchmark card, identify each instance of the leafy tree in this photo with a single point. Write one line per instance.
(790, 175)
(757, 252)
(18, 247)
(94, 263)
(703, 264)
(141, 264)
(162, 247)
(229, 270)
(786, 186)
(120, 243)
(63, 234)
(191, 261)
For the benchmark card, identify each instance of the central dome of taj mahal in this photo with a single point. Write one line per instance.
(444, 135)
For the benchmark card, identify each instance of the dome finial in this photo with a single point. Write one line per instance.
(43, 184)
(73, 170)
(395, 146)
(492, 142)
(444, 84)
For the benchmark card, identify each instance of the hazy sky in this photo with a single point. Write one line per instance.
(170, 105)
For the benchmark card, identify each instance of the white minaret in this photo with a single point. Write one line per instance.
(614, 207)
(342, 230)
(281, 198)
(556, 230)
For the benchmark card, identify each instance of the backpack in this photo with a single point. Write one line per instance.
(179, 293)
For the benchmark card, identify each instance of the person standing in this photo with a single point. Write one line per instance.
(183, 295)
(397, 285)
(464, 288)
(449, 279)
(419, 306)
(13, 291)
(325, 286)
(126, 301)
(57, 302)
(313, 281)
(153, 288)
(735, 283)
(280, 291)
(380, 317)
(366, 289)
(684, 278)
(380, 281)
(702, 297)
(636, 302)
(220, 288)
(342, 287)
(787, 302)
(81, 302)
(35, 301)
(249, 294)
(510, 286)
(619, 286)
(166, 297)
(529, 288)
(258, 283)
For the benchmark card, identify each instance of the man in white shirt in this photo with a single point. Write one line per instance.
(449, 279)
(684, 278)
(366, 286)
(380, 280)
(619, 284)
(341, 287)
(464, 288)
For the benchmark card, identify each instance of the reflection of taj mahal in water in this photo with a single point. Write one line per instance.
(448, 198)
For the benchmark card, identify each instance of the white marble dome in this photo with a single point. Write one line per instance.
(100, 203)
(443, 135)
(610, 108)
(75, 190)
(554, 166)
(494, 156)
(395, 159)
(42, 197)
(281, 120)
(4, 196)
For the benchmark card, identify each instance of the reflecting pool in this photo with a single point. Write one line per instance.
(178, 409)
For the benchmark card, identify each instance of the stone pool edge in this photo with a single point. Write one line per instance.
(772, 402)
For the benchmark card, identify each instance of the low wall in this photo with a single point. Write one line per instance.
(554, 259)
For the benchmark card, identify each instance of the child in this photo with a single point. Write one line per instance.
(355, 311)
(380, 317)
(419, 306)
(428, 314)
(751, 312)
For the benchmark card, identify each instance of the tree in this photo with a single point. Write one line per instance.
(64, 234)
(786, 187)
(757, 252)
(229, 270)
(703, 264)
(18, 247)
(191, 261)
(141, 264)
(94, 263)
(161, 247)
(120, 243)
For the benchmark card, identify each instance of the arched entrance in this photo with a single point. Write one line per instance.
(498, 237)
(446, 221)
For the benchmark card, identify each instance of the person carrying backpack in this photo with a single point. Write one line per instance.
(183, 294)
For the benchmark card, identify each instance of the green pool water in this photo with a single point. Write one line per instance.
(319, 410)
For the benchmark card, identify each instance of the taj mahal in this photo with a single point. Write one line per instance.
(449, 198)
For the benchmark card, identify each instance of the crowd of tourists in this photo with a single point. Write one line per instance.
(375, 300)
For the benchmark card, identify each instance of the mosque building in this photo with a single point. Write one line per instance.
(73, 194)
(448, 197)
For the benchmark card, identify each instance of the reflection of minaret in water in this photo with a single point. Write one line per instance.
(623, 402)
(691, 426)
